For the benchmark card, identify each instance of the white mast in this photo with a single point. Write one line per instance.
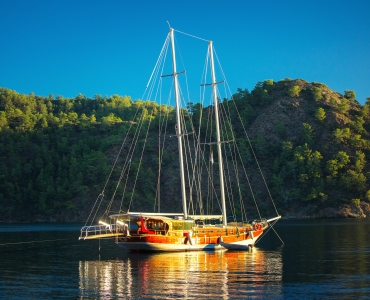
(220, 163)
(179, 130)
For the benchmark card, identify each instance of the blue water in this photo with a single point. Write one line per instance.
(321, 259)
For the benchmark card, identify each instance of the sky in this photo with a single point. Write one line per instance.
(110, 47)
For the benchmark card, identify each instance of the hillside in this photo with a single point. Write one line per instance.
(312, 144)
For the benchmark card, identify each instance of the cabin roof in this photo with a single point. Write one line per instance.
(164, 216)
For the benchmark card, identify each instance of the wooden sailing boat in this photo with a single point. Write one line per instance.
(185, 231)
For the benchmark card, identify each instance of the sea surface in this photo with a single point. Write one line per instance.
(320, 259)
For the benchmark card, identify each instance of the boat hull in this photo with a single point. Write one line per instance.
(242, 244)
(158, 243)
(163, 247)
(155, 243)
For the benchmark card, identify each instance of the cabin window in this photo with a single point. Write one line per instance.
(182, 225)
(155, 224)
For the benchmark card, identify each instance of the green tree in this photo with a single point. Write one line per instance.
(247, 115)
(368, 195)
(358, 125)
(354, 181)
(342, 134)
(294, 91)
(43, 122)
(348, 94)
(332, 168)
(92, 119)
(320, 114)
(190, 108)
(342, 159)
(63, 118)
(110, 119)
(308, 134)
(343, 106)
(356, 201)
(317, 93)
(358, 142)
(359, 161)
(72, 117)
(84, 120)
(309, 165)
(268, 84)
(3, 120)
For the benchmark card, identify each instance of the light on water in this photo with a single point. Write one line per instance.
(320, 259)
(220, 275)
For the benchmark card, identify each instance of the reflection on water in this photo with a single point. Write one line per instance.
(221, 275)
(321, 259)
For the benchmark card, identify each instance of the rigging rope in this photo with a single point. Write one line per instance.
(271, 226)
(254, 155)
(165, 122)
(193, 163)
(128, 161)
(165, 46)
(199, 38)
(31, 242)
(141, 157)
(227, 116)
(129, 157)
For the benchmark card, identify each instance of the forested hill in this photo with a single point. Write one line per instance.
(312, 143)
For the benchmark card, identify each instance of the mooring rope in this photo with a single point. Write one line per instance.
(30, 242)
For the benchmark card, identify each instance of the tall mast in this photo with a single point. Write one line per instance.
(179, 129)
(220, 163)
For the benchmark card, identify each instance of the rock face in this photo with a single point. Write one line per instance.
(291, 112)
(348, 211)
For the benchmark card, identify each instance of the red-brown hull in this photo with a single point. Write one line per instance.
(204, 239)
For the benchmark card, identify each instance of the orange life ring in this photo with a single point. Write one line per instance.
(257, 226)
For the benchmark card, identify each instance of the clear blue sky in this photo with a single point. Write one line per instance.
(110, 47)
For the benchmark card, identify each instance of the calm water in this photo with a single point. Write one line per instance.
(320, 259)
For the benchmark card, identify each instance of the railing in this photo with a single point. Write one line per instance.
(97, 231)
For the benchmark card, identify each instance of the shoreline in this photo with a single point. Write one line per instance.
(353, 211)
